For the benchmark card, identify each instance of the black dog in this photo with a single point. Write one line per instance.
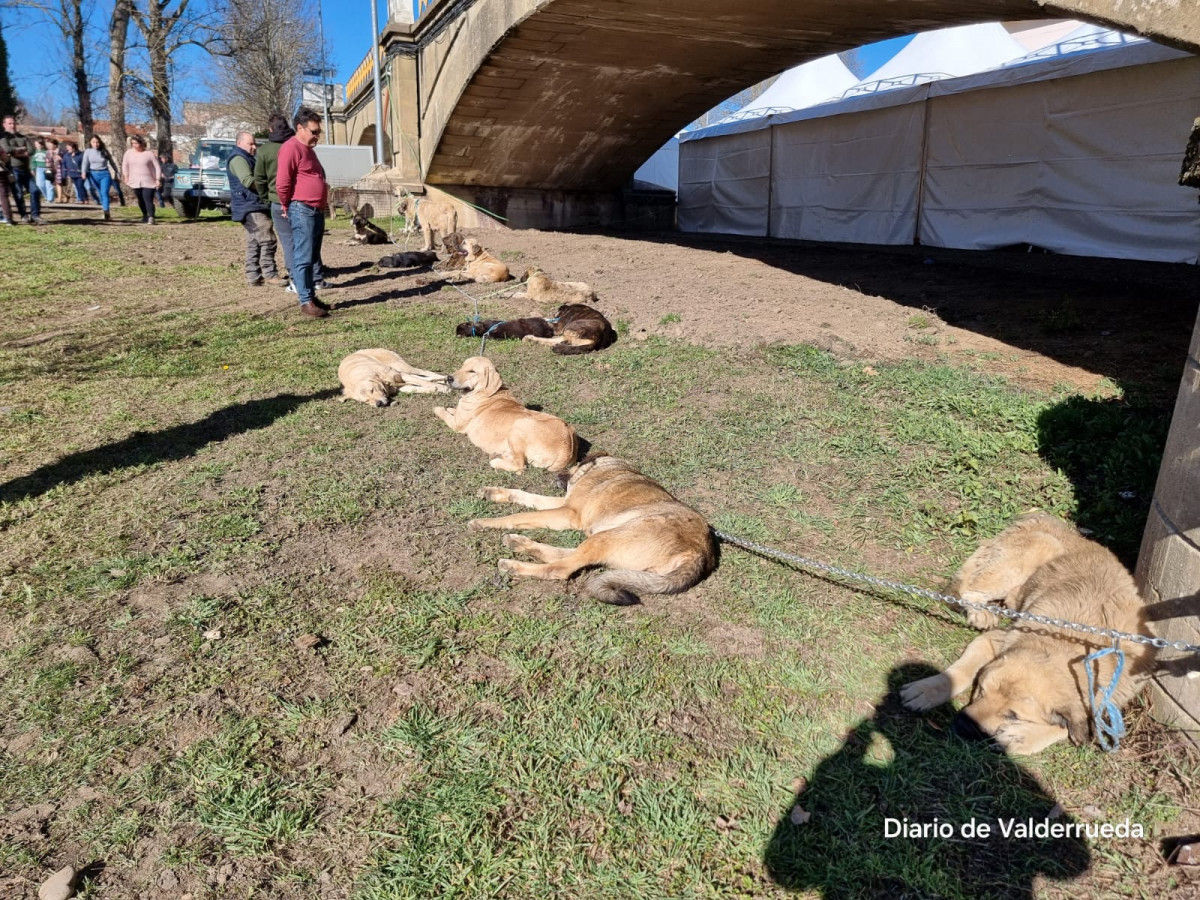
(514, 329)
(409, 259)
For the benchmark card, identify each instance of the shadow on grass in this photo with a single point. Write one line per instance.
(1110, 450)
(149, 447)
(897, 766)
(421, 290)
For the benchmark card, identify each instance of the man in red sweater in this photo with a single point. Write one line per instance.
(300, 182)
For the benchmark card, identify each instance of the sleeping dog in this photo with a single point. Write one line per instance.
(409, 259)
(514, 329)
(578, 329)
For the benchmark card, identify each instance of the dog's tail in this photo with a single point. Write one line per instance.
(622, 587)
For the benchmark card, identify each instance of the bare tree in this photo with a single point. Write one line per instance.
(265, 46)
(118, 34)
(71, 18)
(166, 26)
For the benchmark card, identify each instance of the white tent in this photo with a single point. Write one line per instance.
(805, 85)
(1077, 152)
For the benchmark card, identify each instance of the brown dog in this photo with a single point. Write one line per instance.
(374, 376)
(650, 542)
(541, 287)
(512, 329)
(497, 424)
(433, 216)
(1030, 686)
(578, 329)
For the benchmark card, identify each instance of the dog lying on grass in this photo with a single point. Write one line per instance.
(541, 287)
(649, 541)
(578, 329)
(375, 376)
(497, 424)
(1029, 686)
(512, 329)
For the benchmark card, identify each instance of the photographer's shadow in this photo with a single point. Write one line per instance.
(895, 766)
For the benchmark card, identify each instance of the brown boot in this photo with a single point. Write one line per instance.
(311, 309)
(277, 281)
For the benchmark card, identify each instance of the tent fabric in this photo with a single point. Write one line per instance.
(1039, 163)
(848, 178)
(1075, 148)
(806, 85)
(662, 168)
(724, 184)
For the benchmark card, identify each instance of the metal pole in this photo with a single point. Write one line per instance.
(378, 93)
(324, 73)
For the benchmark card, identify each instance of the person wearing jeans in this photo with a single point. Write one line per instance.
(266, 170)
(303, 194)
(95, 171)
(142, 173)
(21, 150)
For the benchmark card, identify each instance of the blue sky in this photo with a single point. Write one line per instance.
(36, 55)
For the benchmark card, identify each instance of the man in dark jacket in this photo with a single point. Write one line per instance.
(20, 150)
(266, 167)
(169, 169)
(247, 208)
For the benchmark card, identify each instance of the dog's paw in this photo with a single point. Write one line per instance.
(982, 619)
(517, 542)
(925, 694)
(478, 524)
(495, 494)
(439, 411)
(528, 338)
(508, 565)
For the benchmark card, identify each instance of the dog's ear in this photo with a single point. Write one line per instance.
(1078, 728)
(489, 381)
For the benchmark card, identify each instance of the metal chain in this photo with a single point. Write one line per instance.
(1111, 634)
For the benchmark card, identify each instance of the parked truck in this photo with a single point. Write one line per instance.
(204, 183)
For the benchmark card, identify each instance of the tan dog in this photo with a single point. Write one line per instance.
(650, 542)
(1030, 685)
(434, 216)
(374, 376)
(497, 424)
(482, 267)
(541, 287)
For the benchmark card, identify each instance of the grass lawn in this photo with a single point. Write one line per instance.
(249, 648)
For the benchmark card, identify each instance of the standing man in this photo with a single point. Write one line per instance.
(246, 207)
(20, 150)
(266, 170)
(300, 182)
(168, 168)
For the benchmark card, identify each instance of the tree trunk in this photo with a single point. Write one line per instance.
(160, 81)
(118, 32)
(74, 27)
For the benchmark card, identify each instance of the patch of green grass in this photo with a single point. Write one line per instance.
(670, 319)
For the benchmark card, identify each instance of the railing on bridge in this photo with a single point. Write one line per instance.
(362, 76)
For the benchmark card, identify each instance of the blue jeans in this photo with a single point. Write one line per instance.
(101, 182)
(25, 185)
(308, 229)
(283, 230)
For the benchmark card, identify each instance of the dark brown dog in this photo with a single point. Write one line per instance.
(409, 259)
(513, 329)
(367, 232)
(578, 329)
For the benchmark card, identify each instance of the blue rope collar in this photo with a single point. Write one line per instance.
(1106, 715)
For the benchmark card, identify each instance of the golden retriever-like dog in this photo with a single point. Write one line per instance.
(482, 267)
(374, 376)
(649, 541)
(497, 424)
(433, 216)
(577, 329)
(1029, 682)
(541, 287)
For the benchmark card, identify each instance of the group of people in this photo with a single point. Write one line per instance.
(45, 169)
(279, 193)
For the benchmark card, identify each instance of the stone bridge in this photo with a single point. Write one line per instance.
(541, 110)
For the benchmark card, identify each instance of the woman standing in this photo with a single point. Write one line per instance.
(39, 165)
(72, 171)
(142, 172)
(95, 170)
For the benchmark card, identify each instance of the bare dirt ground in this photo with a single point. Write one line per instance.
(1037, 318)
